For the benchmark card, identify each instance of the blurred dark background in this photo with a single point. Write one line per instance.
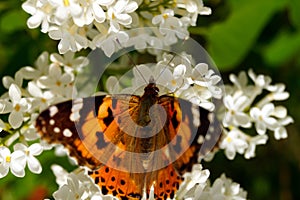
(262, 35)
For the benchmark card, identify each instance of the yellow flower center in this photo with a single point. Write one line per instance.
(58, 83)
(17, 107)
(229, 139)
(7, 159)
(173, 82)
(165, 15)
(66, 2)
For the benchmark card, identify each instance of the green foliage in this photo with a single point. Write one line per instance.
(229, 41)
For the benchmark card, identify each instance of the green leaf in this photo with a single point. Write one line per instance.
(231, 40)
(13, 20)
(294, 8)
(282, 49)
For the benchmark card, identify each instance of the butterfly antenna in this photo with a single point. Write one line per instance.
(164, 69)
(132, 61)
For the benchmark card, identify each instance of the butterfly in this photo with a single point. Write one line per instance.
(132, 143)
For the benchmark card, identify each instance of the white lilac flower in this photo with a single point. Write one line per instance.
(74, 185)
(69, 62)
(29, 154)
(241, 83)
(42, 99)
(280, 132)
(253, 142)
(11, 161)
(261, 81)
(17, 106)
(66, 9)
(56, 80)
(175, 81)
(111, 43)
(72, 38)
(193, 8)
(205, 77)
(234, 141)
(235, 114)
(118, 13)
(170, 26)
(42, 63)
(92, 10)
(40, 11)
(278, 92)
(223, 189)
(263, 119)
(193, 183)
(167, 59)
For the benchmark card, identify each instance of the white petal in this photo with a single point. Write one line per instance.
(14, 93)
(242, 102)
(34, 165)
(66, 78)
(98, 13)
(35, 149)
(255, 113)
(228, 102)
(5, 106)
(268, 109)
(15, 119)
(271, 122)
(4, 169)
(281, 96)
(242, 119)
(7, 81)
(286, 121)
(105, 2)
(20, 146)
(55, 71)
(131, 7)
(179, 70)
(230, 153)
(120, 5)
(260, 127)
(108, 47)
(156, 19)
(34, 90)
(112, 85)
(18, 162)
(280, 112)
(280, 133)
(200, 69)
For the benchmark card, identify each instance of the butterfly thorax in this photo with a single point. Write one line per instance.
(149, 98)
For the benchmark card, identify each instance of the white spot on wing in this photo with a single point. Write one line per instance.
(67, 133)
(146, 164)
(56, 129)
(52, 122)
(211, 117)
(53, 110)
(76, 107)
(207, 136)
(200, 139)
(74, 116)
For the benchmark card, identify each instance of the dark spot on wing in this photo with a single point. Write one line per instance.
(174, 120)
(177, 146)
(107, 120)
(101, 142)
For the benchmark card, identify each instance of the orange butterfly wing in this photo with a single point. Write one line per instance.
(95, 131)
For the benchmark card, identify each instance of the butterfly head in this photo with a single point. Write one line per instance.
(151, 89)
